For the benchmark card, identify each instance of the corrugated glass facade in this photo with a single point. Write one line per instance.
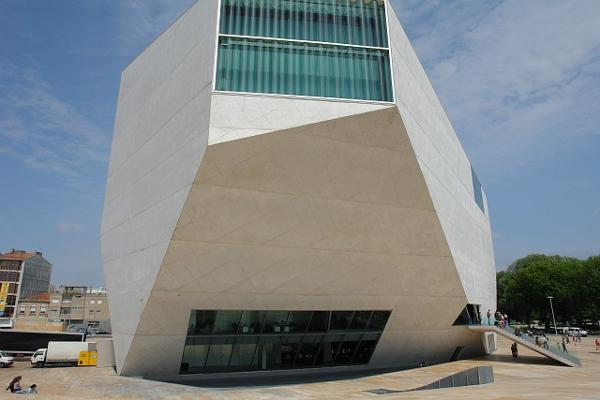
(251, 340)
(319, 48)
(339, 21)
(261, 66)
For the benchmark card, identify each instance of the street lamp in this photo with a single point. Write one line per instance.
(552, 309)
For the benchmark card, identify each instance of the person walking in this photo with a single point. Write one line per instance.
(597, 342)
(489, 316)
(514, 350)
(545, 342)
(564, 345)
(506, 320)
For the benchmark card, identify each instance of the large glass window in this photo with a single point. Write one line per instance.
(359, 22)
(477, 190)
(318, 48)
(250, 340)
(263, 66)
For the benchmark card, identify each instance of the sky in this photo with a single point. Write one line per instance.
(520, 81)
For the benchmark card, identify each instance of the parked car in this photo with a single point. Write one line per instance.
(5, 361)
(574, 330)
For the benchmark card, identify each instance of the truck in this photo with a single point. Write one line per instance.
(60, 354)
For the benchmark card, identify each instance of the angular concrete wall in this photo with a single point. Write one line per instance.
(161, 132)
(446, 169)
(235, 116)
(333, 215)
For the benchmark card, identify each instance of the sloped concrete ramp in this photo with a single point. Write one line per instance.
(552, 352)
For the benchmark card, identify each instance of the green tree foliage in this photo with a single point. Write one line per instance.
(575, 285)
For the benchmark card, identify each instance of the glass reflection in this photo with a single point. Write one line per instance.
(251, 340)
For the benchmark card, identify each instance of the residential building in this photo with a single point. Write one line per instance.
(22, 275)
(33, 312)
(81, 308)
(286, 193)
(70, 308)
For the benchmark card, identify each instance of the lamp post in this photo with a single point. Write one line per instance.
(553, 320)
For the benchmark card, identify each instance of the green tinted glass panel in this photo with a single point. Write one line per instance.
(264, 66)
(286, 339)
(360, 22)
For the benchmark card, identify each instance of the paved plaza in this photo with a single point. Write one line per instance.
(531, 377)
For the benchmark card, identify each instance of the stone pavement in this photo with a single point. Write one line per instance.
(531, 377)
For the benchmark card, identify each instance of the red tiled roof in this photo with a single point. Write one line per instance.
(17, 255)
(41, 297)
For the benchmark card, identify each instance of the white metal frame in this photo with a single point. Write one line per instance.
(276, 39)
(304, 97)
(389, 43)
(216, 54)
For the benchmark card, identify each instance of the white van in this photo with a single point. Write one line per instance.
(571, 331)
(577, 332)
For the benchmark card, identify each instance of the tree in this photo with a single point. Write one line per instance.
(575, 285)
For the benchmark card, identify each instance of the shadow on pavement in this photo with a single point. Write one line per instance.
(260, 381)
(537, 360)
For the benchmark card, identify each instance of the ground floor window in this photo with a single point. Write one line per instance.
(249, 340)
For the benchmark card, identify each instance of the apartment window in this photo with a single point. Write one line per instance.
(43, 309)
(21, 310)
(324, 48)
(32, 309)
(9, 276)
(12, 288)
(99, 301)
(251, 340)
(92, 301)
(54, 301)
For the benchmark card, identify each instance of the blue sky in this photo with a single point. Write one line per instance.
(520, 81)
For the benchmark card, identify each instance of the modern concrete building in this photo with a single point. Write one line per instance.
(286, 192)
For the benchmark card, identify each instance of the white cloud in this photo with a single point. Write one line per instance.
(42, 130)
(65, 227)
(517, 78)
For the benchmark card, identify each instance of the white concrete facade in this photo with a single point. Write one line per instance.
(221, 201)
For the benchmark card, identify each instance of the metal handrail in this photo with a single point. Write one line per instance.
(554, 350)
(531, 339)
